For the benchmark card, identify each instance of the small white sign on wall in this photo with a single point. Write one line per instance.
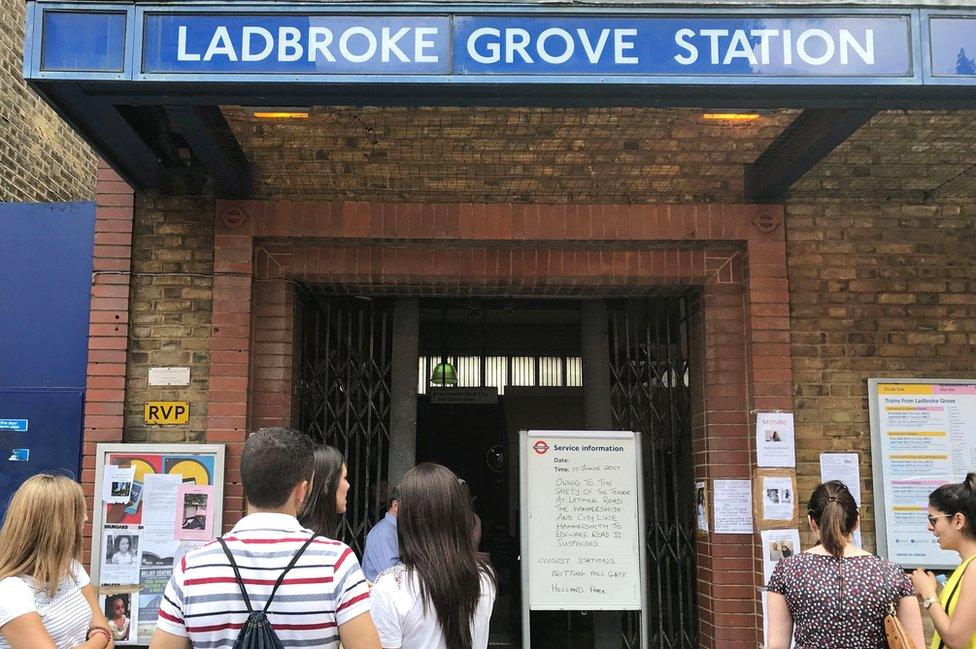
(169, 376)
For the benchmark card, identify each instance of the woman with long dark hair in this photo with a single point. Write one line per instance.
(952, 519)
(441, 593)
(835, 595)
(326, 501)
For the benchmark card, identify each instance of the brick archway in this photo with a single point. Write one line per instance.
(735, 255)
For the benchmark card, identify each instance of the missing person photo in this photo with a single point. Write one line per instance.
(775, 551)
(772, 495)
(118, 612)
(122, 549)
(773, 436)
(195, 511)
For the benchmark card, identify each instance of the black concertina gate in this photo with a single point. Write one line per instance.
(344, 393)
(649, 392)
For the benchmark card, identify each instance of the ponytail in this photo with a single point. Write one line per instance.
(952, 499)
(833, 509)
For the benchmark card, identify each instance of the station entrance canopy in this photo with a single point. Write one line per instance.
(120, 72)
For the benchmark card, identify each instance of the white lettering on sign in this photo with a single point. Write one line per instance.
(356, 44)
(811, 46)
(555, 46)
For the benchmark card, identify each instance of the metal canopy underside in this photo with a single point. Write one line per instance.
(175, 132)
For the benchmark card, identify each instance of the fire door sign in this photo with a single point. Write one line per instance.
(167, 413)
(14, 425)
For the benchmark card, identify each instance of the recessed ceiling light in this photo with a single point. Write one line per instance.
(731, 117)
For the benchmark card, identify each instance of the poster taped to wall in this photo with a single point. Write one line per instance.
(775, 440)
(137, 542)
(923, 435)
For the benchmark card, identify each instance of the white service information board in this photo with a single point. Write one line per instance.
(923, 435)
(581, 520)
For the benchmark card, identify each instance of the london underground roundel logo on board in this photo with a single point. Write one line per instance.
(540, 447)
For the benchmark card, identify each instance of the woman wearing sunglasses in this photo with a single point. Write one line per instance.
(952, 519)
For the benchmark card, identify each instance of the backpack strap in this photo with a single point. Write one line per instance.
(290, 565)
(237, 574)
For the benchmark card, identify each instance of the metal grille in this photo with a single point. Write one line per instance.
(649, 393)
(344, 392)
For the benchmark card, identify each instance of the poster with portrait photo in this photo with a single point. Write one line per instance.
(121, 555)
(775, 439)
(121, 609)
(776, 546)
(195, 513)
(701, 505)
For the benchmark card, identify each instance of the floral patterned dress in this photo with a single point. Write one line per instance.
(839, 604)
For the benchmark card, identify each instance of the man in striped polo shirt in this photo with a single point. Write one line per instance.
(323, 600)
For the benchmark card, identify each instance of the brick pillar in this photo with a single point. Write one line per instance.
(108, 328)
(230, 353)
(274, 358)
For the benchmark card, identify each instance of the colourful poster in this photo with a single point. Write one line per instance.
(195, 469)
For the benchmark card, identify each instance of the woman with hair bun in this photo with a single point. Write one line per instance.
(952, 519)
(836, 595)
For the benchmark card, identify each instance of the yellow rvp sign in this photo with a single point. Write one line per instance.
(167, 412)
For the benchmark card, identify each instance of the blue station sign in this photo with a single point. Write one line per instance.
(499, 45)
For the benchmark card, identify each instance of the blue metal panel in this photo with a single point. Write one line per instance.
(952, 53)
(46, 253)
(53, 442)
(83, 41)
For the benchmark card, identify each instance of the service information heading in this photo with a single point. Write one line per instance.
(927, 434)
(849, 46)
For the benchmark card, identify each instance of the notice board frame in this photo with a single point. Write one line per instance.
(103, 451)
(877, 464)
(524, 523)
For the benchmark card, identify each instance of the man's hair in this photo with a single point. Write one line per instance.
(273, 463)
(393, 496)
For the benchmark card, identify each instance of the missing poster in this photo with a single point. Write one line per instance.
(778, 498)
(122, 612)
(117, 484)
(195, 506)
(121, 555)
(701, 505)
(775, 439)
(776, 546)
(733, 506)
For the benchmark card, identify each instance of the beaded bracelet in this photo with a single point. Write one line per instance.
(99, 629)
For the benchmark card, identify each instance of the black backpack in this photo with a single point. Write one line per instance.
(258, 632)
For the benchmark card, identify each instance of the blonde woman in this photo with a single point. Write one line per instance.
(47, 600)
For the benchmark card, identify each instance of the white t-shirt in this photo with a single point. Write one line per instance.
(66, 616)
(399, 616)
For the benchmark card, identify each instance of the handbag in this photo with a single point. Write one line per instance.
(895, 634)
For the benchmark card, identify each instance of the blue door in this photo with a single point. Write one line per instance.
(45, 288)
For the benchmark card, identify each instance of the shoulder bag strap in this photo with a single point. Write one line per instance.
(952, 594)
(237, 574)
(290, 565)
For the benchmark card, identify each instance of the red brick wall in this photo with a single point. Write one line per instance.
(108, 328)
(741, 324)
